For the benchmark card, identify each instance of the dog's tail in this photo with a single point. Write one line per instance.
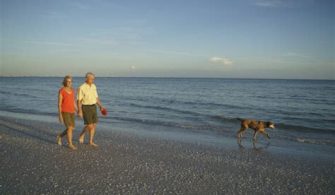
(239, 119)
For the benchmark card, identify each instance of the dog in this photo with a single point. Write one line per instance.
(257, 126)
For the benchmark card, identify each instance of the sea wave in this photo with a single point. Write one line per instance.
(233, 121)
(302, 128)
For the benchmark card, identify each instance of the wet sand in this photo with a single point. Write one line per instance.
(124, 163)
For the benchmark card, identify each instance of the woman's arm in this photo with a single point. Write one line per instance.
(60, 99)
(75, 102)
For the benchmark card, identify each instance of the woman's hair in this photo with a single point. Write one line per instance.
(65, 80)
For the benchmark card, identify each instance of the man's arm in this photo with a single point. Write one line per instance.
(79, 99)
(75, 106)
(98, 100)
(99, 103)
(80, 111)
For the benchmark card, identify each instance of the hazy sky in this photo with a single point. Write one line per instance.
(174, 38)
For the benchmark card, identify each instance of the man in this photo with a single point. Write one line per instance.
(88, 100)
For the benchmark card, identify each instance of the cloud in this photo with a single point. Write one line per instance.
(269, 3)
(51, 14)
(221, 60)
(118, 35)
(293, 54)
(132, 67)
(81, 5)
(282, 3)
(99, 41)
(49, 43)
(172, 52)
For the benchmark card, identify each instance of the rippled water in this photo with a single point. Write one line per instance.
(197, 104)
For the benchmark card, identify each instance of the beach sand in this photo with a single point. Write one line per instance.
(124, 163)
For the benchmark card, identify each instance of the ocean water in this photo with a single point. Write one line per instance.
(303, 110)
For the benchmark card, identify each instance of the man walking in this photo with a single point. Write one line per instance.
(88, 100)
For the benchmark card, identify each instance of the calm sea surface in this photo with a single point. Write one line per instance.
(299, 108)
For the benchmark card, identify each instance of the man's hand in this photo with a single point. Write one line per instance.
(60, 118)
(80, 113)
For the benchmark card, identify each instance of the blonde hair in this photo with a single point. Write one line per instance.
(65, 80)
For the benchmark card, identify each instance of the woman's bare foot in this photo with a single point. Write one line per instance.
(93, 144)
(72, 147)
(59, 140)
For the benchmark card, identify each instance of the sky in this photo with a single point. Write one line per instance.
(284, 39)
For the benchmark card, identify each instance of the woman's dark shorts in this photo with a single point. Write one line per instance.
(90, 114)
(68, 119)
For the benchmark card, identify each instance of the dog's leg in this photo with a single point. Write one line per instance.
(240, 132)
(255, 136)
(266, 135)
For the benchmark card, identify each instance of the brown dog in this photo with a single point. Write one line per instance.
(257, 126)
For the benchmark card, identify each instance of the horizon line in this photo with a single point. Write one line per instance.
(172, 77)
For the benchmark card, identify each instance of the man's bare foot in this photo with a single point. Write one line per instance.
(93, 144)
(81, 139)
(59, 140)
(72, 147)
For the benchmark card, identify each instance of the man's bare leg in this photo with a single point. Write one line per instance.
(92, 133)
(82, 134)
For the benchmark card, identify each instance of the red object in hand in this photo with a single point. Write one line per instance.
(104, 111)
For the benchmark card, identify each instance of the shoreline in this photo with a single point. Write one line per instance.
(300, 146)
(126, 162)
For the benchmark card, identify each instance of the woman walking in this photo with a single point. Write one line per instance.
(66, 111)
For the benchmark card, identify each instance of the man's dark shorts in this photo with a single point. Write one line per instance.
(90, 114)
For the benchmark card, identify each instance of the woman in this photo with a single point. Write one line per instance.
(66, 111)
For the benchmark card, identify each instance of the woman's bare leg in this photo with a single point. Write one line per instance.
(60, 136)
(63, 133)
(69, 138)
